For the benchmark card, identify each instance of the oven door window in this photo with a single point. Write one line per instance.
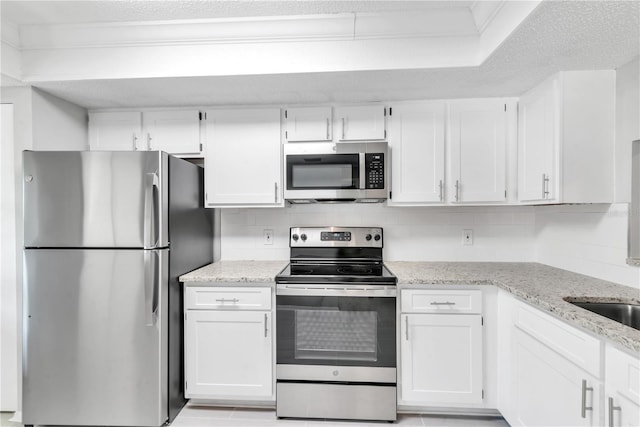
(345, 331)
(330, 171)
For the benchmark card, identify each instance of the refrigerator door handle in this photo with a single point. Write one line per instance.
(151, 220)
(151, 279)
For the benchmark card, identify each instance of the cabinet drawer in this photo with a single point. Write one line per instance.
(573, 344)
(623, 373)
(441, 301)
(227, 298)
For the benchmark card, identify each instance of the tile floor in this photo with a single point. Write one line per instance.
(203, 416)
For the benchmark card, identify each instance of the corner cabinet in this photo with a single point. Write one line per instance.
(243, 158)
(416, 147)
(566, 134)
(176, 132)
(441, 348)
(229, 343)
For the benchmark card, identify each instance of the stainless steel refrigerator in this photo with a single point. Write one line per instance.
(107, 234)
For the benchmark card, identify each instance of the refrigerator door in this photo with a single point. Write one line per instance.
(95, 337)
(95, 199)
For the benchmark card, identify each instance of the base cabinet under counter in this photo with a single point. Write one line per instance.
(229, 344)
(443, 354)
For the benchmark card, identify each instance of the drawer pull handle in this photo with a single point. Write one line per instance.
(585, 408)
(223, 300)
(443, 303)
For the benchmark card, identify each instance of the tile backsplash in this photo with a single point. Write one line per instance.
(587, 239)
(500, 233)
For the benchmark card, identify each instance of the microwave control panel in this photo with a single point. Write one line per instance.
(374, 172)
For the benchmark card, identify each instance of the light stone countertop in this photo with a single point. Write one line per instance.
(242, 272)
(541, 286)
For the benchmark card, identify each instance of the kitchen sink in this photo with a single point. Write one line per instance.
(627, 314)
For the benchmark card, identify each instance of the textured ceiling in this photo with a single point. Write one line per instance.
(558, 35)
(75, 12)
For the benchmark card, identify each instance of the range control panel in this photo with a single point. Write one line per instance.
(336, 236)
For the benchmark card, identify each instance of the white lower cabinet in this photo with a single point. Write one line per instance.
(228, 345)
(441, 349)
(622, 389)
(549, 390)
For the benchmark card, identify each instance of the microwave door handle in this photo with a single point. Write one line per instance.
(361, 168)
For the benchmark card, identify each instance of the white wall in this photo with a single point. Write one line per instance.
(592, 239)
(412, 234)
(40, 121)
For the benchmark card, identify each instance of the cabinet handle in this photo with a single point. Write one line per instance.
(545, 186)
(275, 192)
(440, 187)
(266, 328)
(584, 408)
(134, 140)
(611, 409)
(148, 141)
(406, 328)
(328, 135)
(443, 303)
(457, 193)
(223, 300)
(343, 126)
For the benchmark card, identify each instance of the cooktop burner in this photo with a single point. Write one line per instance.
(336, 255)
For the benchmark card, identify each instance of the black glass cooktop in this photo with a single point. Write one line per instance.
(310, 272)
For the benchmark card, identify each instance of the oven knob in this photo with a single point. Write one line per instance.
(295, 237)
(336, 373)
(303, 237)
(368, 237)
(376, 237)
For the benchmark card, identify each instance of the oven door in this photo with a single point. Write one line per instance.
(321, 328)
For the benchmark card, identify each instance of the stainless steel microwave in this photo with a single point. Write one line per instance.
(336, 172)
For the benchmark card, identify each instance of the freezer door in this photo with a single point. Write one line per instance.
(95, 199)
(95, 337)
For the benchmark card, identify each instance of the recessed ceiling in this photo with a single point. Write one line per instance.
(82, 12)
(557, 35)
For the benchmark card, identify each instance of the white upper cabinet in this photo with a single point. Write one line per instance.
(308, 124)
(361, 123)
(176, 132)
(478, 149)
(115, 131)
(566, 139)
(173, 131)
(416, 146)
(243, 158)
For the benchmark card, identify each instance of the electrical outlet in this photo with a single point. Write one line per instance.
(467, 237)
(267, 236)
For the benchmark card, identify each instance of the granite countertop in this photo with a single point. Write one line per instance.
(236, 271)
(541, 286)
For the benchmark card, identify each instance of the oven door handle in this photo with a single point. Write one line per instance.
(337, 290)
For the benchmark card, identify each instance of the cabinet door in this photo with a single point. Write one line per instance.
(308, 124)
(361, 123)
(416, 144)
(441, 359)
(243, 158)
(115, 131)
(538, 139)
(176, 132)
(228, 354)
(622, 400)
(478, 133)
(548, 390)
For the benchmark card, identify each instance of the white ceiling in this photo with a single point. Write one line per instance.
(558, 35)
(77, 12)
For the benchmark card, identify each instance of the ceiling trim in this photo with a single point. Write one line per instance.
(484, 12)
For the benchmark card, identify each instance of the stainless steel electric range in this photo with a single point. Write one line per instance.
(336, 326)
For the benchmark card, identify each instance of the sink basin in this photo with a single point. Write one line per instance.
(627, 314)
